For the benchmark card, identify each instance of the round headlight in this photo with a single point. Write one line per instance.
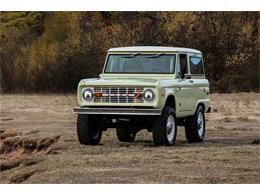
(88, 94)
(148, 95)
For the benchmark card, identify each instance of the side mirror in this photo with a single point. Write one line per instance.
(187, 76)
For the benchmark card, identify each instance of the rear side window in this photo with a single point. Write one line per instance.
(196, 65)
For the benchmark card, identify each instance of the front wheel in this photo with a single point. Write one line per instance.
(195, 126)
(165, 128)
(87, 131)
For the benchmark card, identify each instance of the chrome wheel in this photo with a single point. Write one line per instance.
(195, 126)
(170, 128)
(165, 128)
(200, 123)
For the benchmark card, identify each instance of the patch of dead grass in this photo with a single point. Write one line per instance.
(14, 144)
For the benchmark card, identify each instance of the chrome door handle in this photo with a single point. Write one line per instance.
(191, 81)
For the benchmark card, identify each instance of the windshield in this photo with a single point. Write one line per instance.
(141, 63)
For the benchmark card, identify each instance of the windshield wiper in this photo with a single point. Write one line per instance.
(131, 56)
(156, 55)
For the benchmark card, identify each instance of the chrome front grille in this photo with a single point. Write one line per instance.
(118, 95)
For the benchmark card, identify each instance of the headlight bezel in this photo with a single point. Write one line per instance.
(90, 94)
(148, 95)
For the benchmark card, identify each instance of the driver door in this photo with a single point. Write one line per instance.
(184, 90)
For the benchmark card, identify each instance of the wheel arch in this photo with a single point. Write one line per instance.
(170, 101)
(201, 104)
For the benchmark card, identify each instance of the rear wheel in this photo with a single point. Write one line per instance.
(165, 128)
(195, 126)
(125, 135)
(87, 131)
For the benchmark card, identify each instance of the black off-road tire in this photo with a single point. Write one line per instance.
(88, 133)
(125, 135)
(159, 128)
(192, 126)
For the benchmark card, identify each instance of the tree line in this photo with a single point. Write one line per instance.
(52, 51)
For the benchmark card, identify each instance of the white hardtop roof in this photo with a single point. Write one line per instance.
(153, 49)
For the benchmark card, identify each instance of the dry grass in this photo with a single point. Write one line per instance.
(38, 144)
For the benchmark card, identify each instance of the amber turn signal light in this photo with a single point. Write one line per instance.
(98, 94)
(138, 95)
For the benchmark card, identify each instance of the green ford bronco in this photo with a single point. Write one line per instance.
(153, 88)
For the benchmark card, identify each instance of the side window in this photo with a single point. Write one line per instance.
(183, 65)
(196, 65)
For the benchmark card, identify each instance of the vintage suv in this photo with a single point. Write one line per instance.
(153, 88)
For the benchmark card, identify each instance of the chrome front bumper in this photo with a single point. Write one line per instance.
(118, 111)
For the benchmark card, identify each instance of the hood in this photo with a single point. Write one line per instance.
(120, 82)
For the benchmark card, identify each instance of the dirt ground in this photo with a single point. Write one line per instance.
(38, 144)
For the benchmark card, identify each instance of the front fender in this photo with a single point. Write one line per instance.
(165, 93)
